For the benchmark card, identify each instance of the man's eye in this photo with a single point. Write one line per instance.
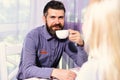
(52, 17)
(61, 17)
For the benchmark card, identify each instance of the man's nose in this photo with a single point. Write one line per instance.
(57, 21)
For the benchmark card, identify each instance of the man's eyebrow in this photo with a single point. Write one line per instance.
(61, 16)
(58, 16)
(52, 16)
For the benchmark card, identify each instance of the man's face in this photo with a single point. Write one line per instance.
(54, 20)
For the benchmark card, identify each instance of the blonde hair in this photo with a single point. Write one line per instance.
(101, 30)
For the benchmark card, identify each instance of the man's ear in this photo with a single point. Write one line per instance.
(43, 19)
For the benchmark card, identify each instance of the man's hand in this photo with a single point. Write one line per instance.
(62, 74)
(75, 36)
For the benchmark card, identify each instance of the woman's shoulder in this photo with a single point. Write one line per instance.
(88, 71)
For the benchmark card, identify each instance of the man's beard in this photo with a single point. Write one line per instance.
(51, 31)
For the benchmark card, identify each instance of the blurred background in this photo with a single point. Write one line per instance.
(18, 17)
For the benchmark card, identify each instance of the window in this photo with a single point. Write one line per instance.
(14, 19)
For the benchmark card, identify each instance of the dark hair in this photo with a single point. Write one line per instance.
(53, 5)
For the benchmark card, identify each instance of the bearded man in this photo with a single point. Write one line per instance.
(42, 50)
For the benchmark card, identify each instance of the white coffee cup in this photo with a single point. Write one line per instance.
(62, 34)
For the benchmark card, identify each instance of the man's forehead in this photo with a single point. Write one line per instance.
(55, 11)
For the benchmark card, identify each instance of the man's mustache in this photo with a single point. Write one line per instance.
(57, 25)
